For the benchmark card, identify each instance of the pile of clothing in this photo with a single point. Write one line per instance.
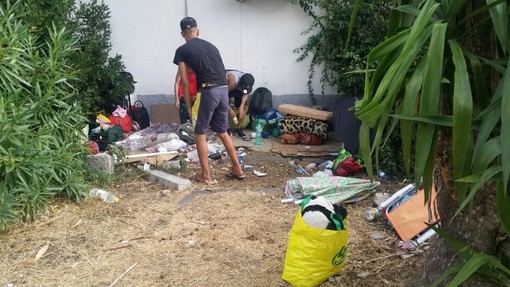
(303, 125)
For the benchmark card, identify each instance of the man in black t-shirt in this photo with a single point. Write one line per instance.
(205, 59)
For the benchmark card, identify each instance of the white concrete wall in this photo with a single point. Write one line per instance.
(255, 36)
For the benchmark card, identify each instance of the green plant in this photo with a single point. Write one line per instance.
(41, 14)
(448, 89)
(100, 80)
(334, 47)
(41, 148)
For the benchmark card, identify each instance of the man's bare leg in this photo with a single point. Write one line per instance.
(203, 155)
(231, 151)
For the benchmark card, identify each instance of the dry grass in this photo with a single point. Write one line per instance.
(232, 234)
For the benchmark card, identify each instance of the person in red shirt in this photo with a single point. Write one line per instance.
(179, 95)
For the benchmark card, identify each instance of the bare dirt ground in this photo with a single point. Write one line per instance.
(231, 234)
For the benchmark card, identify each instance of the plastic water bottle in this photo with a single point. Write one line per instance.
(104, 195)
(371, 214)
(383, 175)
(258, 134)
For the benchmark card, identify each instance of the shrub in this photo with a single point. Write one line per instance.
(330, 45)
(41, 149)
(101, 83)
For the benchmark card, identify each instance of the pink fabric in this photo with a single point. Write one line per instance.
(119, 112)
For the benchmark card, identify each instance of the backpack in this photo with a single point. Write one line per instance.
(186, 133)
(261, 101)
(140, 115)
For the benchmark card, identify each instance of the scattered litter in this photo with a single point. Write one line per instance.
(363, 274)
(335, 188)
(247, 167)
(311, 166)
(173, 164)
(215, 156)
(39, 254)
(380, 197)
(326, 172)
(299, 169)
(146, 166)
(371, 213)
(377, 235)
(326, 165)
(407, 256)
(258, 173)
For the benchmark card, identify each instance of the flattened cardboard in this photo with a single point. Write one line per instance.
(306, 150)
(152, 158)
(305, 112)
(408, 219)
(165, 113)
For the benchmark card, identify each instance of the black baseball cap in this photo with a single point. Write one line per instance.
(246, 83)
(188, 23)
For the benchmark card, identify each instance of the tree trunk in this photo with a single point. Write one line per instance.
(477, 227)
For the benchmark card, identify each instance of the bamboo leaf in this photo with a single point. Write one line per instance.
(447, 273)
(397, 71)
(454, 7)
(407, 108)
(408, 9)
(505, 126)
(352, 22)
(486, 176)
(462, 113)
(387, 46)
(489, 151)
(502, 204)
(429, 102)
(445, 121)
(499, 16)
(364, 146)
(480, 84)
(474, 264)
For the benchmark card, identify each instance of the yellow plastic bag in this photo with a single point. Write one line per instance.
(194, 108)
(313, 254)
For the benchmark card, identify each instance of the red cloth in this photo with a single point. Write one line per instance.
(94, 147)
(192, 79)
(348, 166)
(125, 122)
(302, 138)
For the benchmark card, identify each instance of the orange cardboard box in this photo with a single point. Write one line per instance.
(409, 218)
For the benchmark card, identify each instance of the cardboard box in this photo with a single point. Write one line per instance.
(165, 113)
(409, 218)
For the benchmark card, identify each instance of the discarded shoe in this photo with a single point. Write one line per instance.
(239, 133)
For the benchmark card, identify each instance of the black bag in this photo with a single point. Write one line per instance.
(140, 115)
(261, 101)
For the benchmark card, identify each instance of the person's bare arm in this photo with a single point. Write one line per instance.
(242, 109)
(185, 85)
(232, 83)
(176, 90)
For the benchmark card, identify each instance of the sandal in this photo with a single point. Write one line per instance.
(199, 178)
(231, 175)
